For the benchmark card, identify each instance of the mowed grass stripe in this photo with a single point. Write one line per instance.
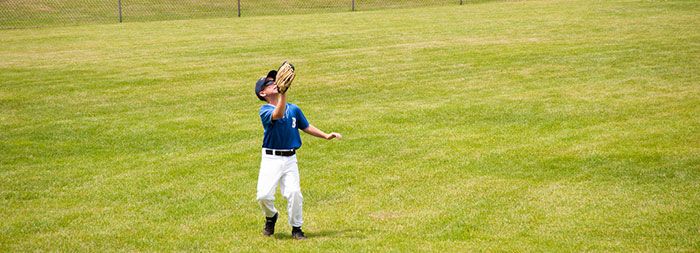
(552, 126)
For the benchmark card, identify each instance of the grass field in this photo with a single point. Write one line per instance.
(42, 13)
(503, 126)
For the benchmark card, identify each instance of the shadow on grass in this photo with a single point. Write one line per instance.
(310, 235)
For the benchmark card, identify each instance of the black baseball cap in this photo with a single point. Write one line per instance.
(263, 82)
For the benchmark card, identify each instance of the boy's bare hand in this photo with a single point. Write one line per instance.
(334, 135)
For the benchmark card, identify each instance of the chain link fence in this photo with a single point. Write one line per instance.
(38, 13)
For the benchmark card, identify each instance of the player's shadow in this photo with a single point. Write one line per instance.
(332, 233)
(347, 233)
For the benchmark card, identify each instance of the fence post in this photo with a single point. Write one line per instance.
(119, 7)
(239, 8)
(353, 5)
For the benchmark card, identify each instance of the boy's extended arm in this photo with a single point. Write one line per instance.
(280, 108)
(312, 130)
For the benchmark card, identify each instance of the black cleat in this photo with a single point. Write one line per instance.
(297, 233)
(270, 225)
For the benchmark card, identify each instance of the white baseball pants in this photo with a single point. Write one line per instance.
(282, 170)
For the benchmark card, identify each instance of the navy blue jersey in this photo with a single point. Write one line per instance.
(282, 133)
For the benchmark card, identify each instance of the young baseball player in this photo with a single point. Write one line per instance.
(281, 121)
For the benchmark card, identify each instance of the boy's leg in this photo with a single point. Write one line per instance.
(291, 190)
(268, 178)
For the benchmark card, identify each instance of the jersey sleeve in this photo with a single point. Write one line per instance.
(266, 115)
(302, 123)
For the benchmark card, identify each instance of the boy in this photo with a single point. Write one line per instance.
(281, 121)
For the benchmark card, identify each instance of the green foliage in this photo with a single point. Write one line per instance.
(510, 126)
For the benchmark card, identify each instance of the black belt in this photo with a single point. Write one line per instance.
(280, 152)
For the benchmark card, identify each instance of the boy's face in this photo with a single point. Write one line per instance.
(270, 88)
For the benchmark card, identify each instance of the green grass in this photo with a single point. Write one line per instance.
(38, 13)
(510, 126)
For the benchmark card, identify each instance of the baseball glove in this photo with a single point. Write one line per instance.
(285, 76)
